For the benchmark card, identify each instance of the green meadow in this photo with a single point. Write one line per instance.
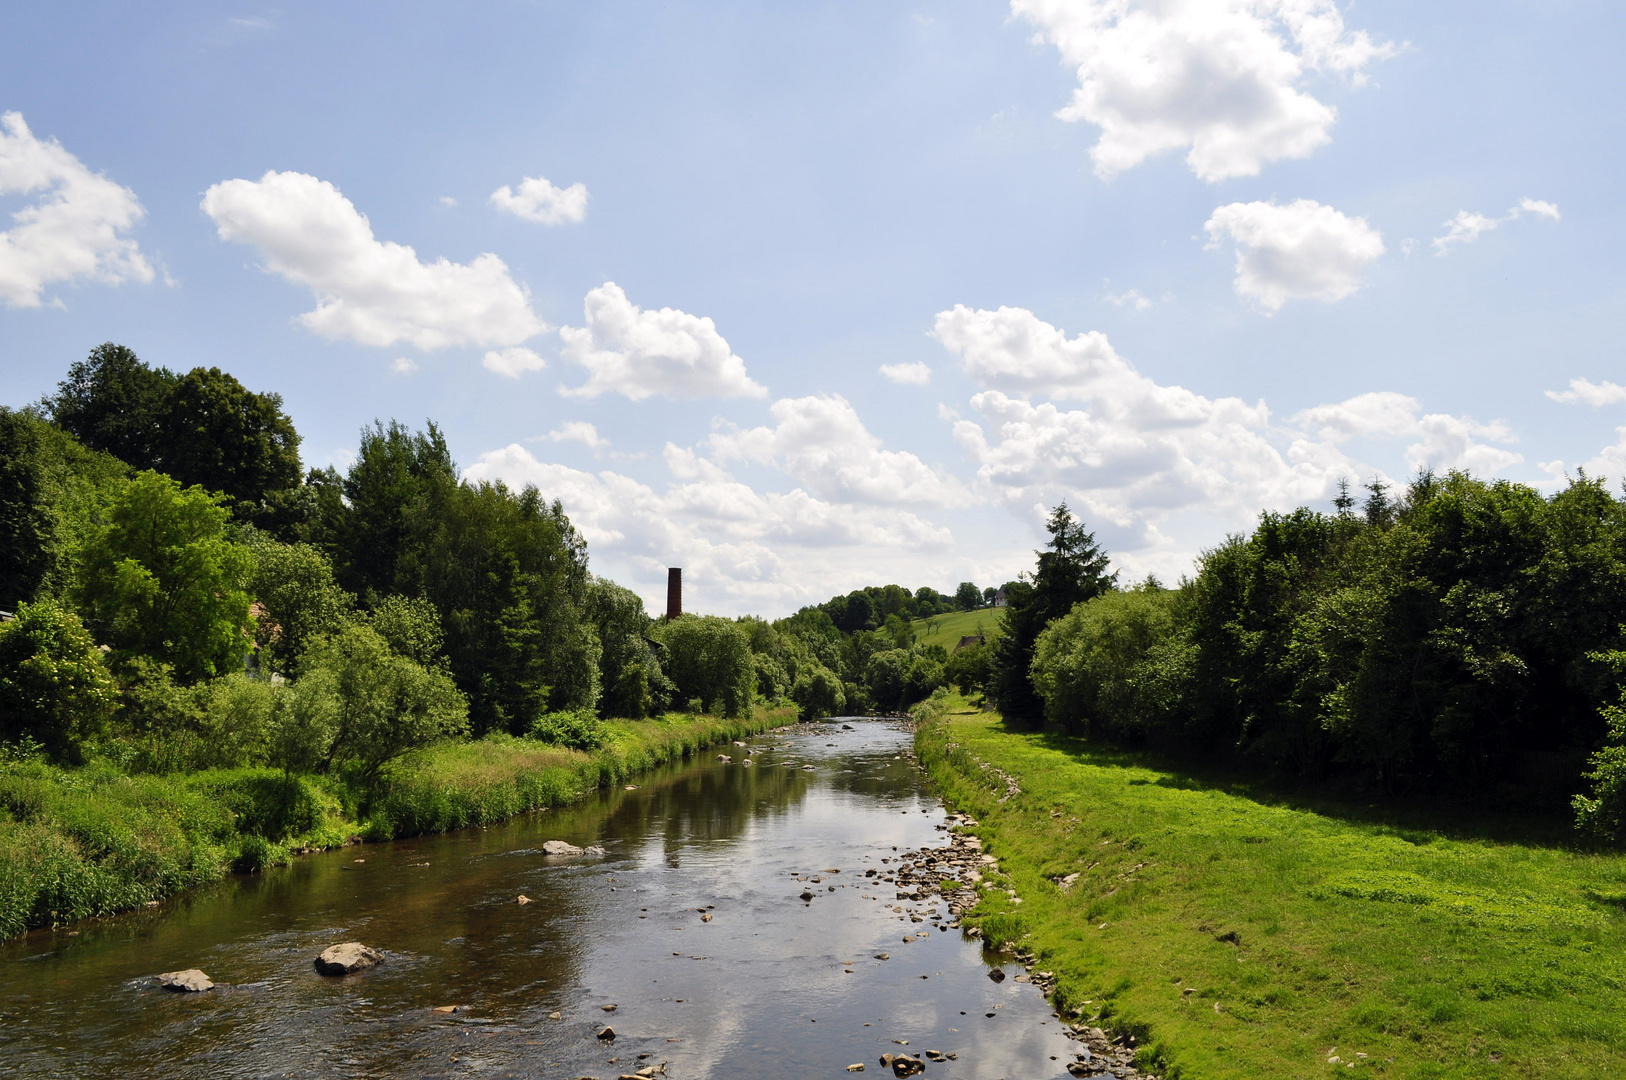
(946, 630)
(1242, 932)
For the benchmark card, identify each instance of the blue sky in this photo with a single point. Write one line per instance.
(1175, 262)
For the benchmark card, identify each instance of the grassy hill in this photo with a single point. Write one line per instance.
(946, 630)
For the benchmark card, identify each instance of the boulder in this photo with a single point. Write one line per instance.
(346, 958)
(607, 1034)
(190, 981)
(561, 849)
(904, 1065)
(997, 974)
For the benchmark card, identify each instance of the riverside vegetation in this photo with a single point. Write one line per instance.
(1350, 798)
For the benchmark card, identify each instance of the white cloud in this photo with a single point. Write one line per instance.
(1469, 225)
(914, 373)
(512, 363)
(1301, 251)
(370, 291)
(1139, 457)
(1441, 441)
(403, 365)
(578, 431)
(448, 200)
(73, 230)
(822, 443)
(1223, 77)
(541, 202)
(1133, 299)
(640, 353)
(741, 550)
(1585, 391)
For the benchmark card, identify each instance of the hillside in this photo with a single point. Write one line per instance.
(946, 630)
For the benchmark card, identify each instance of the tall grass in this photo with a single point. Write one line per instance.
(76, 843)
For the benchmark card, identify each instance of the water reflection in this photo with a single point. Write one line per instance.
(764, 982)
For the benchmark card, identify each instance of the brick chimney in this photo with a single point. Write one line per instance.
(674, 591)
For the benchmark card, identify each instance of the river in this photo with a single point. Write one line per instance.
(770, 985)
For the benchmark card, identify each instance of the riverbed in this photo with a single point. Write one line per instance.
(692, 925)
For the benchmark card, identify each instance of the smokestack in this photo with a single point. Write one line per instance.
(674, 591)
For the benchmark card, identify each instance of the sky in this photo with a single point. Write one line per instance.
(805, 297)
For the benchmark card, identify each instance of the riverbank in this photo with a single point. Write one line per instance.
(76, 843)
(1240, 935)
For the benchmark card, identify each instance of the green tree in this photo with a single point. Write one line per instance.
(383, 704)
(163, 578)
(112, 401)
(1097, 667)
(1071, 570)
(410, 625)
(899, 630)
(25, 519)
(298, 597)
(634, 683)
(709, 658)
(218, 434)
(967, 597)
(54, 688)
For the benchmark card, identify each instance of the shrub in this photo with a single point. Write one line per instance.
(574, 729)
(1603, 813)
(1094, 668)
(54, 687)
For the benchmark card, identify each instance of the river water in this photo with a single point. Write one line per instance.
(770, 985)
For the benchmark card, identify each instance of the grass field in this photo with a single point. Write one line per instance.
(1239, 934)
(76, 843)
(946, 630)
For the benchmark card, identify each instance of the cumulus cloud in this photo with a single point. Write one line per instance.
(1469, 225)
(578, 431)
(822, 443)
(1587, 392)
(1439, 441)
(74, 229)
(640, 353)
(1222, 77)
(741, 549)
(539, 201)
(1138, 454)
(1301, 251)
(370, 291)
(403, 365)
(915, 373)
(512, 363)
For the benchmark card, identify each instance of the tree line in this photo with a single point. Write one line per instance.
(186, 597)
(1461, 639)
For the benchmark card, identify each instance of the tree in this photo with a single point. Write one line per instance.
(382, 706)
(162, 578)
(54, 688)
(709, 658)
(393, 476)
(216, 433)
(112, 401)
(634, 684)
(1071, 570)
(899, 630)
(967, 597)
(25, 518)
(298, 596)
(1094, 666)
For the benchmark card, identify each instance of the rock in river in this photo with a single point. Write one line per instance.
(351, 956)
(190, 981)
(561, 849)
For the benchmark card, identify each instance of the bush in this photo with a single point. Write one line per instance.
(574, 729)
(54, 687)
(1094, 668)
(1603, 814)
(818, 693)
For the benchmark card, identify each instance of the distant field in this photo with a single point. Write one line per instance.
(946, 630)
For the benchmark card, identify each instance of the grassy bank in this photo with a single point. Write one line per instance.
(1243, 934)
(92, 841)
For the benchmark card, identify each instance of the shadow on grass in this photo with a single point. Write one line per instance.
(1418, 819)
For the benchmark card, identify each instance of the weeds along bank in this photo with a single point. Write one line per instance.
(1238, 935)
(80, 842)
